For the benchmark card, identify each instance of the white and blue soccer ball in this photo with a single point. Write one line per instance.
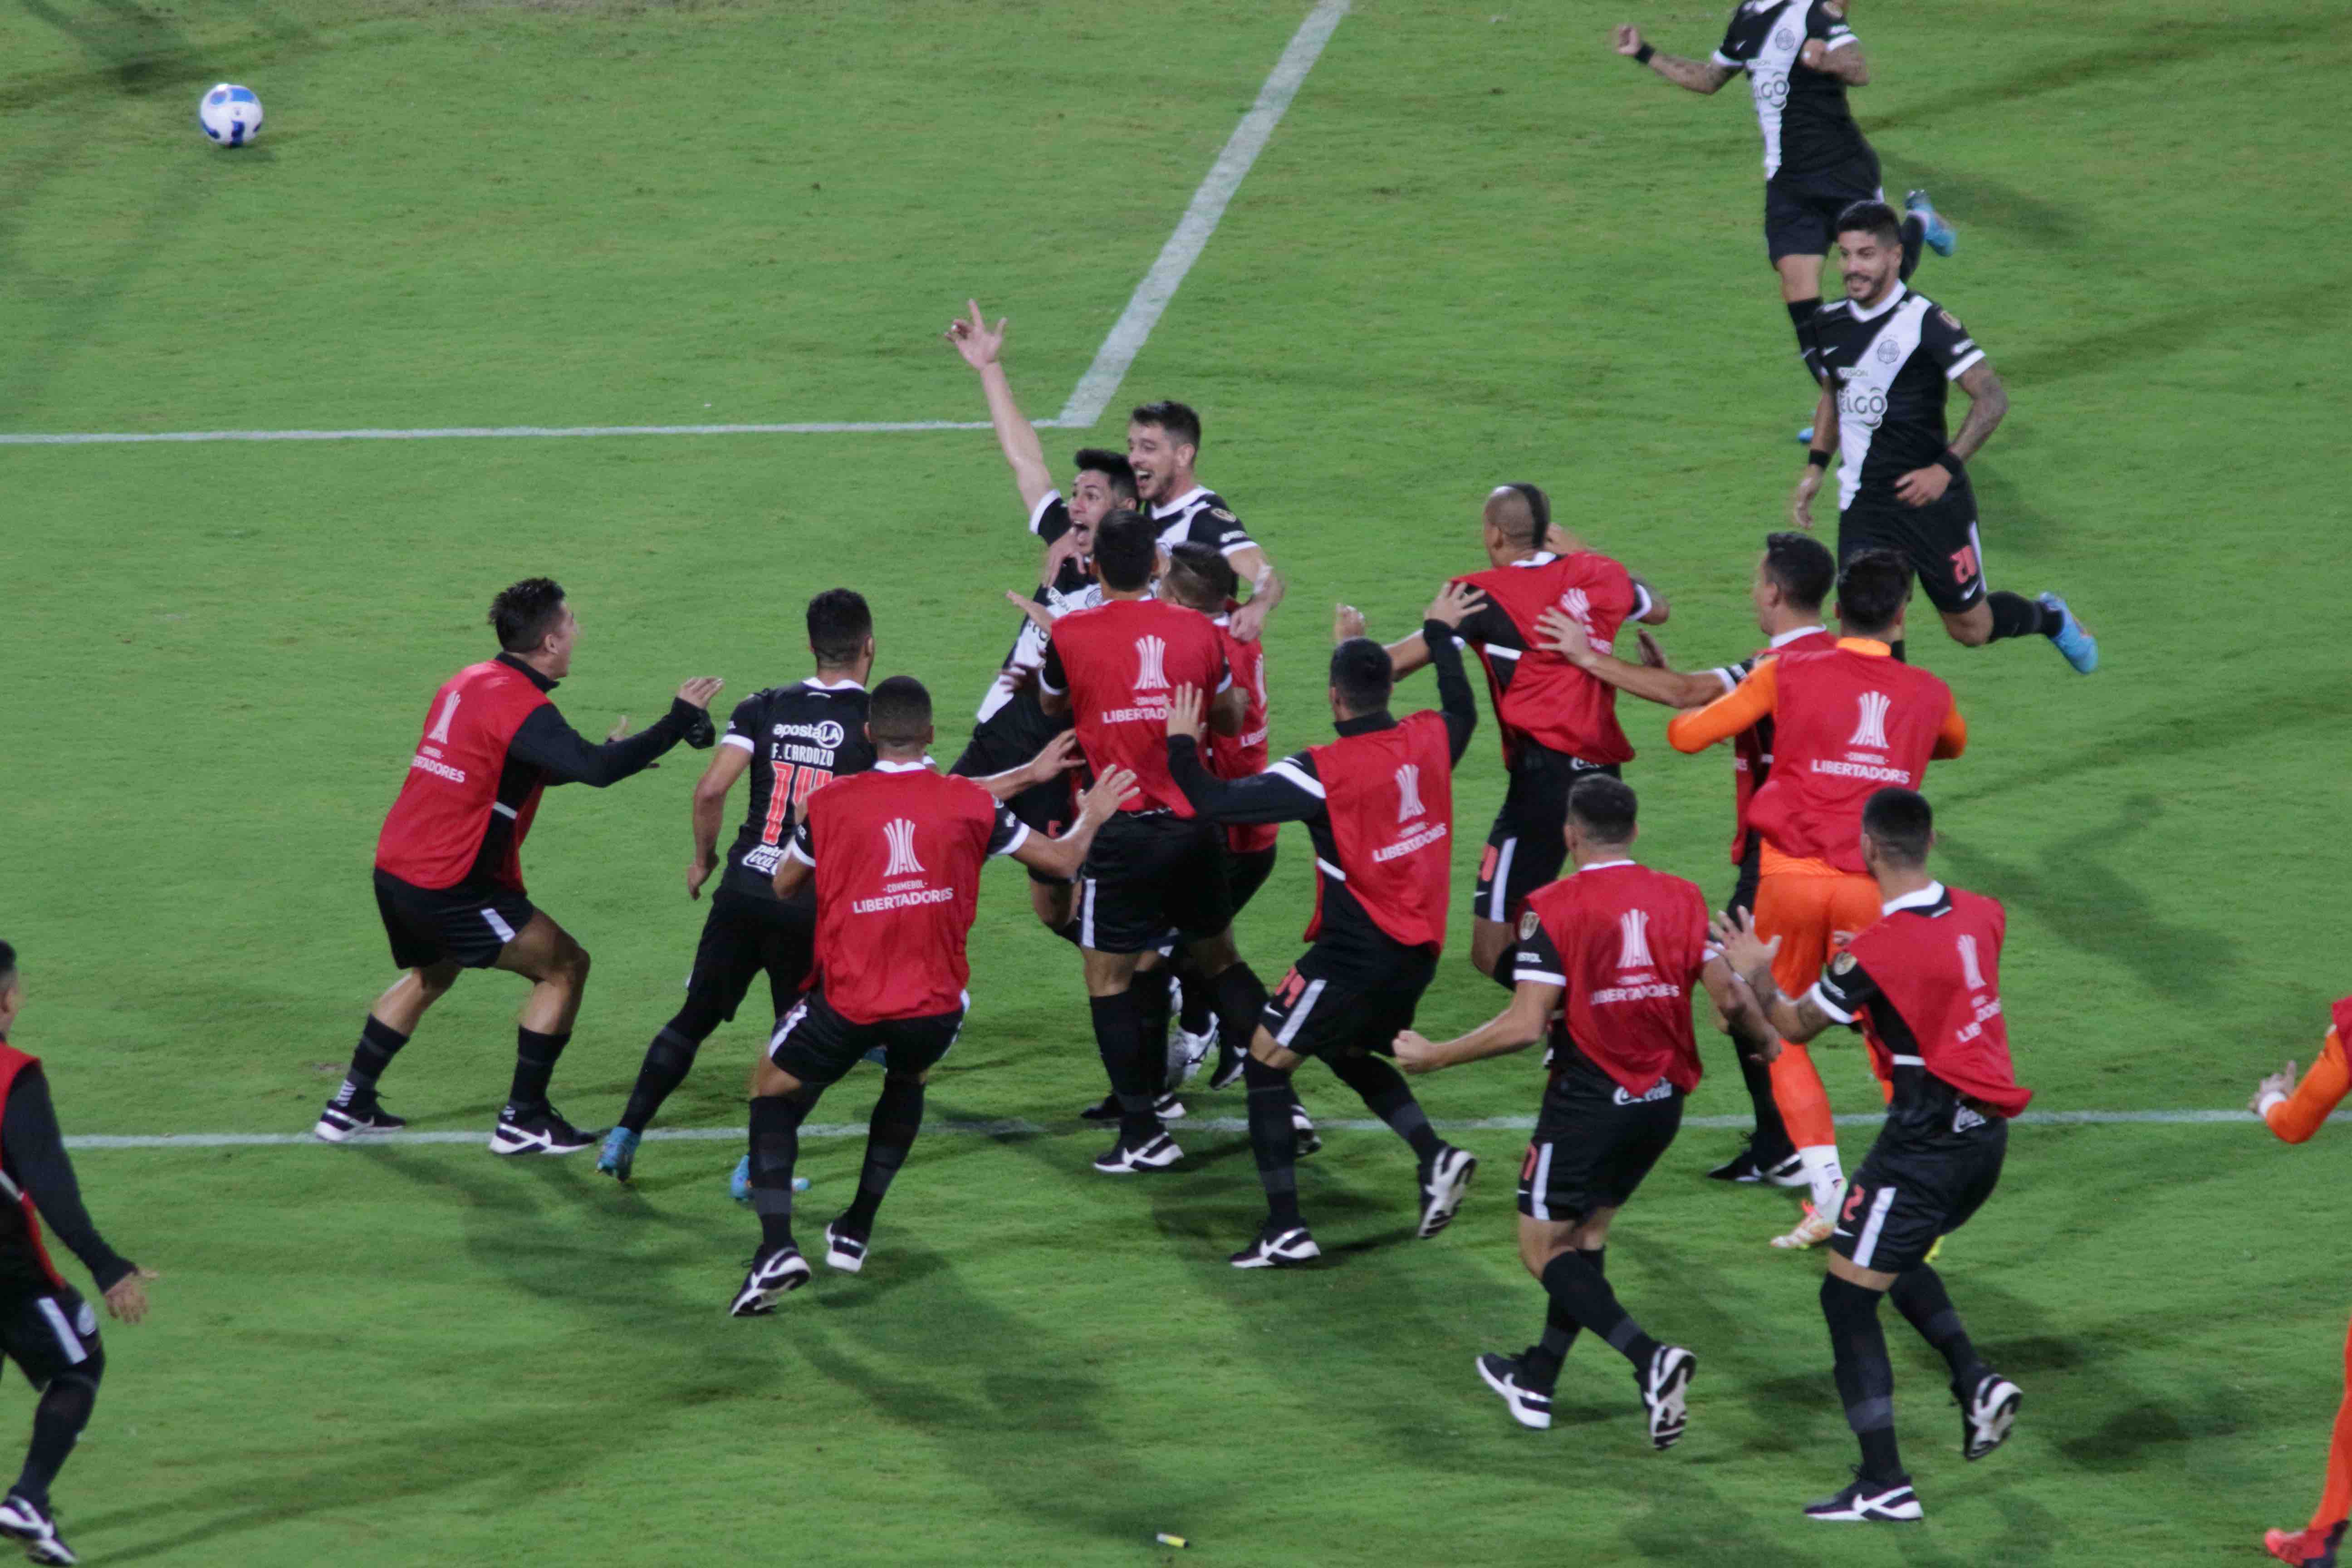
(230, 115)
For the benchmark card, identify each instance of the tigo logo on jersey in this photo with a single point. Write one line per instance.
(1635, 953)
(1869, 729)
(1971, 975)
(900, 833)
(1408, 781)
(1150, 658)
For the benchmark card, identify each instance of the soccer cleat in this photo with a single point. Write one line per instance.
(1190, 1051)
(1805, 436)
(2306, 1548)
(1155, 1153)
(1529, 1406)
(1869, 1502)
(619, 1156)
(1167, 1108)
(773, 1274)
(1744, 1169)
(1443, 1185)
(2073, 638)
(1666, 1388)
(1812, 1231)
(739, 1182)
(22, 1519)
(1942, 238)
(842, 1249)
(1274, 1249)
(540, 1130)
(1987, 1415)
(1229, 1067)
(341, 1124)
(1304, 1139)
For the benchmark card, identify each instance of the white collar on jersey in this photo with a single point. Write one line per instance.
(882, 767)
(1540, 558)
(1599, 866)
(813, 684)
(1920, 899)
(1902, 292)
(1180, 503)
(1792, 636)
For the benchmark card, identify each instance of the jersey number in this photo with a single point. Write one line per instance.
(439, 734)
(791, 788)
(1964, 564)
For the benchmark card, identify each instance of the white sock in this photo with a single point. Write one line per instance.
(1827, 1176)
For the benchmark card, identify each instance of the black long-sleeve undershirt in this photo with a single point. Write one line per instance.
(550, 744)
(1454, 697)
(33, 1155)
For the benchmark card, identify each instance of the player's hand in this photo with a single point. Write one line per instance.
(1564, 635)
(1801, 507)
(620, 732)
(1454, 604)
(1921, 486)
(1069, 547)
(1557, 540)
(2276, 1083)
(1629, 39)
(1653, 655)
(1347, 621)
(1249, 622)
(1184, 713)
(1016, 676)
(698, 871)
(1039, 616)
(1417, 1053)
(1812, 56)
(698, 692)
(1735, 932)
(1110, 790)
(973, 338)
(1060, 755)
(126, 1299)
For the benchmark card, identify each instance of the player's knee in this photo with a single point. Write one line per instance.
(907, 1080)
(573, 962)
(1971, 630)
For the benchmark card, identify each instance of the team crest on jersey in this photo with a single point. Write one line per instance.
(1784, 39)
(1408, 782)
(1870, 728)
(1841, 964)
(1150, 660)
(1635, 927)
(1888, 351)
(1222, 515)
(900, 835)
(1530, 923)
(1950, 319)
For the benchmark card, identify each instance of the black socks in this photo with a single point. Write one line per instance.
(535, 1057)
(1239, 1000)
(1920, 1294)
(379, 1043)
(776, 1148)
(668, 1061)
(1271, 1141)
(58, 1422)
(1578, 1286)
(1118, 1038)
(1150, 987)
(1384, 1089)
(1540, 1363)
(1800, 318)
(1865, 1379)
(897, 1117)
(2015, 616)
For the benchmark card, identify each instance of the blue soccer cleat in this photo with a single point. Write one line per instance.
(619, 1156)
(1941, 237)
(2073, 638)
(1805, 436)
(739, 1184)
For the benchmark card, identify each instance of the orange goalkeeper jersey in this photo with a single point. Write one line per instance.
(2298, 1115)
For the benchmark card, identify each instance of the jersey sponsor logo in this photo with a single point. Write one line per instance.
(763, 858)
(827, 734)
(900, 835)
(1150, 660)
(1408, 783)
(437, 769)
(1869, 729)
(1634, 929)
(1866, 405)
(1971, 975)
(1657, 1091)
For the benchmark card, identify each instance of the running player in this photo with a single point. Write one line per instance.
(2294, 1112)
(1887, 356)
(46, 1327)
(1379, 804)
(1156, 868)
(1559, 724)
(1163, 439)
(1846, 721)
(449, 866)
(1801, 57)
(1923, 982)
(1606, 961)
(1792, 577)
(896, 853)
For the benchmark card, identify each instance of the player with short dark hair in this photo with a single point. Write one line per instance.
(1605, 964)
(1163, 441)
(448, 867)
(1923, 983)
(1887, 357)
(1378, 802)
(46, 1327)
(1559, 724)
(896, 853)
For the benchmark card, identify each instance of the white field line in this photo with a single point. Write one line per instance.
(1093, 394)
(1017, 1128)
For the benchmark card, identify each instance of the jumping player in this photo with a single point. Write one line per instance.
(1379, 804)
(1606, 961)
(449, 866)
(896, 853)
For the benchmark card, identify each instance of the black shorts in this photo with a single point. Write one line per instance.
(1524, 848)
(1045, 808)
(1328, 1009)
(1246, 872)
(1913, 1188)
(470, 926)
(1800, 211)
(818, 1045)
(1939, 540)
(742, 935)
(1148, 875)
(1594, 1141)
(47, 1332)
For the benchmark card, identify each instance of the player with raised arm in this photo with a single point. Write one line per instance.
(449, 865)
(896, 853)
(1606, 961)
(1801, 57)
(1846, 719)
(1923, 983)
(1792, 578)
(1163, 440)
(2294, 1112)
(46, 1327)
(1378, 802)
(1887, 357)
(1559, 724)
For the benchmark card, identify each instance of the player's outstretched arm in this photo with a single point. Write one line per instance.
(1728, 715)
(1059, 756)
(1061, 856)
(1454, 605)
(1840, 55)
(1267, 589)
(2292, 1111)
(1697, 76)
(546, 742)
(982, 346)
(1515, 1028)
(1750, 957)
(1287, 792)
(726, 765)
(33, 1155)
(1654, 683)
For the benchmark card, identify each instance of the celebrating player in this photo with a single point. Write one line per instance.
(1845, 719)
(46, 1327)
(449, 866)
(1923, 983)
(1606, 960)
(1379, 804)
(1163, 439)
(1801, 57)
(896, 853)
(2294, 1112)
(1559, 724)
(1887, 355)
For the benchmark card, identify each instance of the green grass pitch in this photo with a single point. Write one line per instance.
(1479, 248)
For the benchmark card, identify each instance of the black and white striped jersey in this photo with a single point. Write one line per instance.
(1200, 516)
(1893, 363)
(1803, 113)
(1073, 588)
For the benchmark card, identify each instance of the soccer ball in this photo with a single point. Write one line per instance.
(230, 115)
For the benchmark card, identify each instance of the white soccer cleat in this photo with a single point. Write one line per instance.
(1666, 1394)
(772, 1275)
(1869, 1502)
(1157, 1153)
(1988, 1415)
(1811, 1231)
(1444, 1188)
(843, 1250)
